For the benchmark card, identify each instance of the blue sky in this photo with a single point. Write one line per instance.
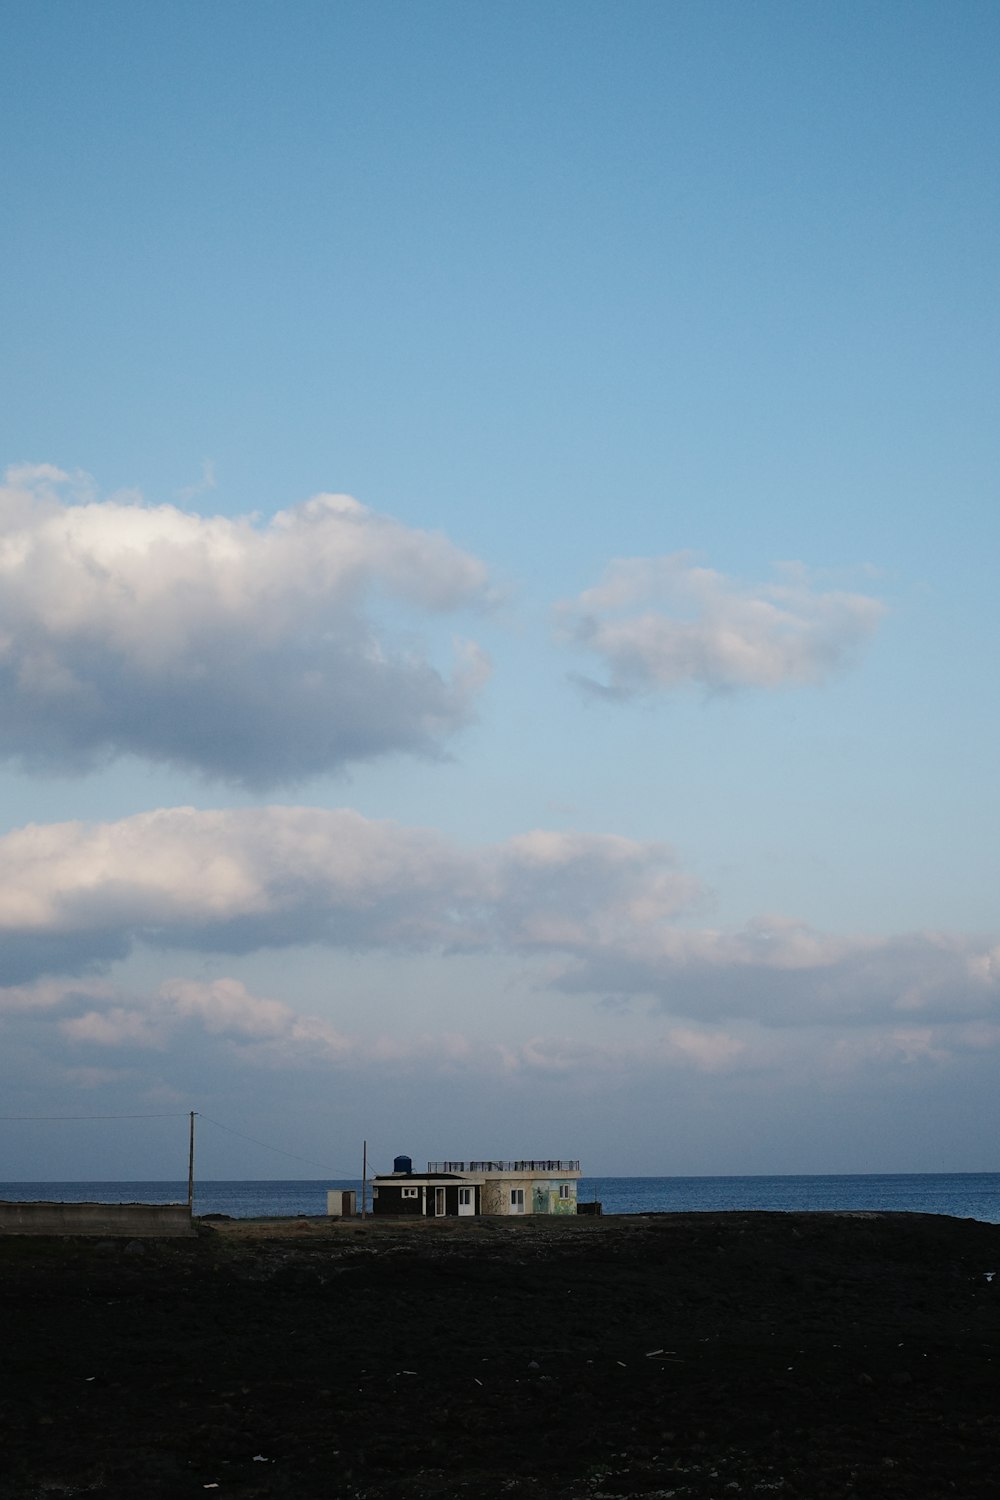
(641, 707)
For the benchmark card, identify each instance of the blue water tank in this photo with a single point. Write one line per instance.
(402, 1164)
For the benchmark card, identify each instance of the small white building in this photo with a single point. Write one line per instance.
(461, 1188)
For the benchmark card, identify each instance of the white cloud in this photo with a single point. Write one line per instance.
(225, 1005)
(222, 1008)
(116, 1027)
(248, 652)
(606, 916)
(688, 1048)
(658, 623)
(202, 486)
(48, 995)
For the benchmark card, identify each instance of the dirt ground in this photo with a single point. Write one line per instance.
(684, 1355)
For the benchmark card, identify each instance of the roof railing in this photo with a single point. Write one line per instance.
(546, 1164)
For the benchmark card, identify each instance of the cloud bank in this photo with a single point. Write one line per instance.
(252, 653)
(600, 915)
(661, 622)
(247, 1030)
(266, 1032)
(96, 1034)
(239, 880)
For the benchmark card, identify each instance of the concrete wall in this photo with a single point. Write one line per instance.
(135, 1220)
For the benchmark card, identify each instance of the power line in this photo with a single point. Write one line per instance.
(174, 1116)
(177, 1115)
(281, 1152)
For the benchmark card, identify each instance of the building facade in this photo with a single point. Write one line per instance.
(465, 1188)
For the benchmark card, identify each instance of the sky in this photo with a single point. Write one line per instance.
(498, 615)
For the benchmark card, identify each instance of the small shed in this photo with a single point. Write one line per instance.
(341, 1203)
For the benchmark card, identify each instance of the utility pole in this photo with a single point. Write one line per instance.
(364, 1180)
(191, 1165)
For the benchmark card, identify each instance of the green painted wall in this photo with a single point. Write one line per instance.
(545, 1198)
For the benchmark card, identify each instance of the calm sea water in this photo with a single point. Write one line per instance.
(963, 1195)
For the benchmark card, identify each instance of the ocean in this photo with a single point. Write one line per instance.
(962, 1195)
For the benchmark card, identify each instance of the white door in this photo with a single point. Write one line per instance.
(438, 1202)
(517, 1200)
(465, 1203)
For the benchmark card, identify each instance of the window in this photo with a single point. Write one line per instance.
(564, 1190)
(411, 1192)
(464, 1197)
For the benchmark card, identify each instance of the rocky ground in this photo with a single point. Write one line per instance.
(698, 1355)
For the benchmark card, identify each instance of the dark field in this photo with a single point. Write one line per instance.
(720, 1355)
